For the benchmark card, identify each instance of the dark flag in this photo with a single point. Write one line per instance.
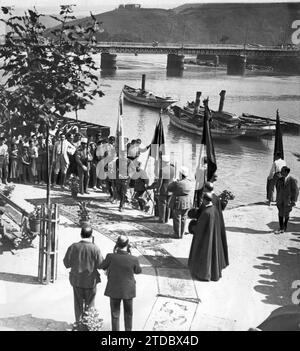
(157, 148)
(207, 140)
(278, 148)
(207, 164)
(158, 139)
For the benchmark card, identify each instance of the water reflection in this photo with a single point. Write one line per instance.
(108, 73)
(173, 72)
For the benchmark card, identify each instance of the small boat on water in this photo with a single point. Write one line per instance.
(143, 97)
(194, 125)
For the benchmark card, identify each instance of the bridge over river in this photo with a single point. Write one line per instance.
(235, 55)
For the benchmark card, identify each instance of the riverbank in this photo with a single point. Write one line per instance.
(257, 281)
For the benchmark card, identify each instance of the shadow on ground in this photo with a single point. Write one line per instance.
(18, 278)
(247, 230)
(29, 323)
(279, 272)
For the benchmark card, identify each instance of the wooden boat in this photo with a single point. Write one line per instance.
(146, 98)
(253, 126)
(194, 126)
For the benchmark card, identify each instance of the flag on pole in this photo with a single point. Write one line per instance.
(157, 148)
(208, 142)
(278, 147)
(207, 164)
(158, 139)
(120, 144)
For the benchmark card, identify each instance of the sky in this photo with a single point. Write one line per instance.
(98, 6)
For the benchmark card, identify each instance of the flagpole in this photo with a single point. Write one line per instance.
(151, 144)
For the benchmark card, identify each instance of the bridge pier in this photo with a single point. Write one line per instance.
(175, 62)
(236, 65)
(174, 72)
(108, 61)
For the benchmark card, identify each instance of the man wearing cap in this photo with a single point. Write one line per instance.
(163, 195)
(181, 201)
(121, 267)
(84, 258)
(83, 159)
(62, 149)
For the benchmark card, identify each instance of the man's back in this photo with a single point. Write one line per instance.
(84, 258)
(287, 190)
(121, 267)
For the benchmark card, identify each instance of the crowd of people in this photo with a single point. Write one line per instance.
(93, 160)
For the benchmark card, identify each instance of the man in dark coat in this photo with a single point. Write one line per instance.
(83, 159)
(121, 267)
(287, 195)
(84, 258)
(206, 258)
(181, 201)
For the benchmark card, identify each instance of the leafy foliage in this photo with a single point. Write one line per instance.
(90, 321)
(44, 76)
(36, 213)
(226, 195)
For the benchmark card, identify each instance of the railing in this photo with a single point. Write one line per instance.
(194, 46)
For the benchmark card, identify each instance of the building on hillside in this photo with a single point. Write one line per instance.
(130, 6)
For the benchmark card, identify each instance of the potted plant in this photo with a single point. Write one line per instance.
(225, 196)
(83, 213)
(89, 321)
(74, 185)
(34, 220)
(8, 189)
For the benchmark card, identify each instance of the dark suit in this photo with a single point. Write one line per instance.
(181, 201)
(84, 258)
(287, 194)
(83, 158)
(121, 267)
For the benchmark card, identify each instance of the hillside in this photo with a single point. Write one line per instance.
(268, 24)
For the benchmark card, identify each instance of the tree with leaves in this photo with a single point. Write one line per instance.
(47, 74)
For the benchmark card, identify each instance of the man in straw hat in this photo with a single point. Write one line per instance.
(181, 201)
(121, 267)
(62, 149)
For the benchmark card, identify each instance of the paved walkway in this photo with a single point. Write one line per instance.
(262, 269)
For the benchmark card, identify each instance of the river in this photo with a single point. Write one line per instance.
(243, 164)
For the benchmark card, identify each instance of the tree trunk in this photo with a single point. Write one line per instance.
(48, 169)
